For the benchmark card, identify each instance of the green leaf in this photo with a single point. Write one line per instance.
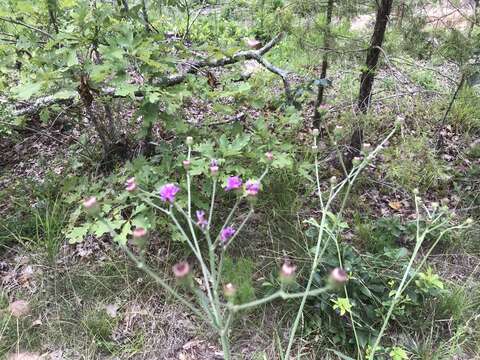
(121, 237)
(65, 94)
(72, 58)
(26, 91)
(126, 90)
(340, 355)
(76, 234)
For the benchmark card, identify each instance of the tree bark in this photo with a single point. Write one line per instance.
(326, 46)
(148, 26)
(368, 76)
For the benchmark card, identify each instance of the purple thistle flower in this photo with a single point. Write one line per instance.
(233, 183)
(168, 192)
(130, 184)
(201, 221)
(252, 187)
(226, 234)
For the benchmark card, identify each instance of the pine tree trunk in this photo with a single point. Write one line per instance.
(368, 76)
(326, 45)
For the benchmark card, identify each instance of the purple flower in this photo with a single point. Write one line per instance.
(233, 183)
(252, 187)
(168, 192)
(226, 234)
(201, 221)
(130, 184)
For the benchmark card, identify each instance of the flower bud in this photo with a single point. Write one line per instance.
(229, 291)
(338, 132)
(333, 180)
(269, 156)
(288, 272)
(338, 276)
(140, 237)
(214, 168)
(91, 205)
(416, 191)
(356, 160)
(189, 140)
(314, 148)
(181, 270)
(186, 164)
(366, 148)
(315, 132)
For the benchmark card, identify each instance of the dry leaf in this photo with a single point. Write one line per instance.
(24, 356)
(19, 308)
(395, 205)
(111, 310)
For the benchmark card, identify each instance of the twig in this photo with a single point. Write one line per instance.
(26, 25)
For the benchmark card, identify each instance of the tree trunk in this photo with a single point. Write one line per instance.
(326, 45)
(52, 6)
(145, 16)
(368, 76)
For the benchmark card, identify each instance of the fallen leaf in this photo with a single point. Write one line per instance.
(395, 205)
(111, 310)
(24, 356)
(19, 308)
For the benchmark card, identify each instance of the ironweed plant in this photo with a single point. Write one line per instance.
(215, 303)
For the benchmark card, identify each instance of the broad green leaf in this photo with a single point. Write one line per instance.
(26, 91)
(76, 234)
(72, 58)
(65, 94)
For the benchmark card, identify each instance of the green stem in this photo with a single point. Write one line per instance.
(276, 295)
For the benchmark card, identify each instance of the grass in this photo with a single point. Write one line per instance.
(38, 220)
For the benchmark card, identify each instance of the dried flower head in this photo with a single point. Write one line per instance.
(339, 276)
(226, 234)
(181, 269)
(130, 184)
(252, 187)
(201, 221)
(168, 192)
(233, 183)
(19, 308)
